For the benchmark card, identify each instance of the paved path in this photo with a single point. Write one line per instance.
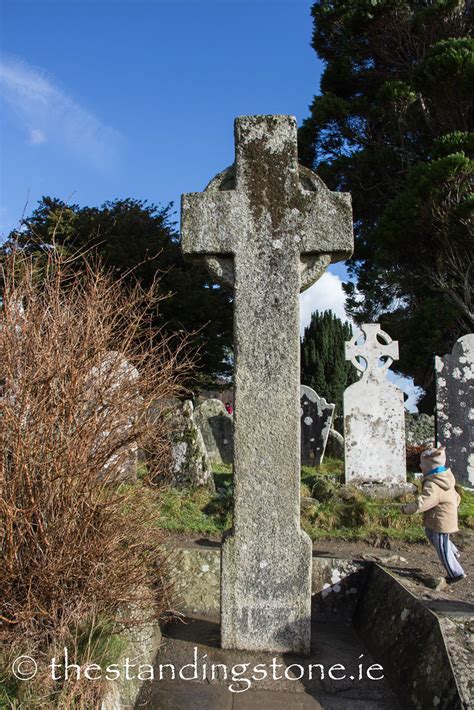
(334, 642)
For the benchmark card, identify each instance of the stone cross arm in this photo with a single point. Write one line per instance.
(215, 222)
(269, 199)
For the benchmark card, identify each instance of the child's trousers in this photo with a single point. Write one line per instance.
(447, 552)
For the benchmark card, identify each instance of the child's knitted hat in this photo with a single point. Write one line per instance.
(432, 458)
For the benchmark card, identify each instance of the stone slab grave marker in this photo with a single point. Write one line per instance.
(217, 428)
(267, 228)
(114, 372)
(316, 421)
(190, 465)
(455, 408)
(374, 418)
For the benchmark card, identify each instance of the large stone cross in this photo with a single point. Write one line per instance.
(268, 228)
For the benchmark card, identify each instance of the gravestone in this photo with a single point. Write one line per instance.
(374, 415)
(335, 445)
(190, 465)
(266, 228)
(455, 408)
(216, 427)
(114, 372)
(316, 421)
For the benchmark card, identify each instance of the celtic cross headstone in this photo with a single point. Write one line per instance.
(374, 420)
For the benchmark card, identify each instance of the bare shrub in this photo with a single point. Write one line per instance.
(77, 545)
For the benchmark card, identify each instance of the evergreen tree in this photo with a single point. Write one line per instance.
(323, 364)
(140, 239)
(393, 125)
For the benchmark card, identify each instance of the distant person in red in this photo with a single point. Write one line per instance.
(228, 407)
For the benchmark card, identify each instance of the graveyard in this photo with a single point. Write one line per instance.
(271, 547)
(237, 439)
(277, 540)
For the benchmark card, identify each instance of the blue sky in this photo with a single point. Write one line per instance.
(118, 98)
(105, 99)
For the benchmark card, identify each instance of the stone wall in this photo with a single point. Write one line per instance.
(335, 584)
(142, 643)
(407, 638)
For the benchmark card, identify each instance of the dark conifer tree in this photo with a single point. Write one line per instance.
(140, 239)
(392, 124)
(323, 364)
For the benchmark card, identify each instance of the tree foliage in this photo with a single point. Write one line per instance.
(323, 365)
(392, 126)
(139, 240)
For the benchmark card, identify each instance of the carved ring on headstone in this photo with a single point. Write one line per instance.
(378, 351)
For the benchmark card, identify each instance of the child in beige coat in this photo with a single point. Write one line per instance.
(439, 503)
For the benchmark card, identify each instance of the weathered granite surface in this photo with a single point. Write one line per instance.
(141, 644)
(455, 408)
(374, 420)
(190, 463)
(377, 489)
(217, 429)
(269, 229)
(316, 421)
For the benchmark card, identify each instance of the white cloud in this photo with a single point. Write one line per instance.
(407, 385)
(46, 113)
(325, 295)
(36, 136)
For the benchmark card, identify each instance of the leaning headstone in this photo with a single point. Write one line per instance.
(103, 382)
(316, 421)
(335, 445)
(374, 419)
(216, 427)
(267, 228)
(190, 465)
(455, 408)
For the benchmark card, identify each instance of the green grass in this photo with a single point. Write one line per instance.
(356, 517)
(331, 513)
(93, 641)
(466, 509)
(196, 511)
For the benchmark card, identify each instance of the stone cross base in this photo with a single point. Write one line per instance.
(278, 618)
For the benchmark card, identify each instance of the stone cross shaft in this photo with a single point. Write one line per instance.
(274, 229)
